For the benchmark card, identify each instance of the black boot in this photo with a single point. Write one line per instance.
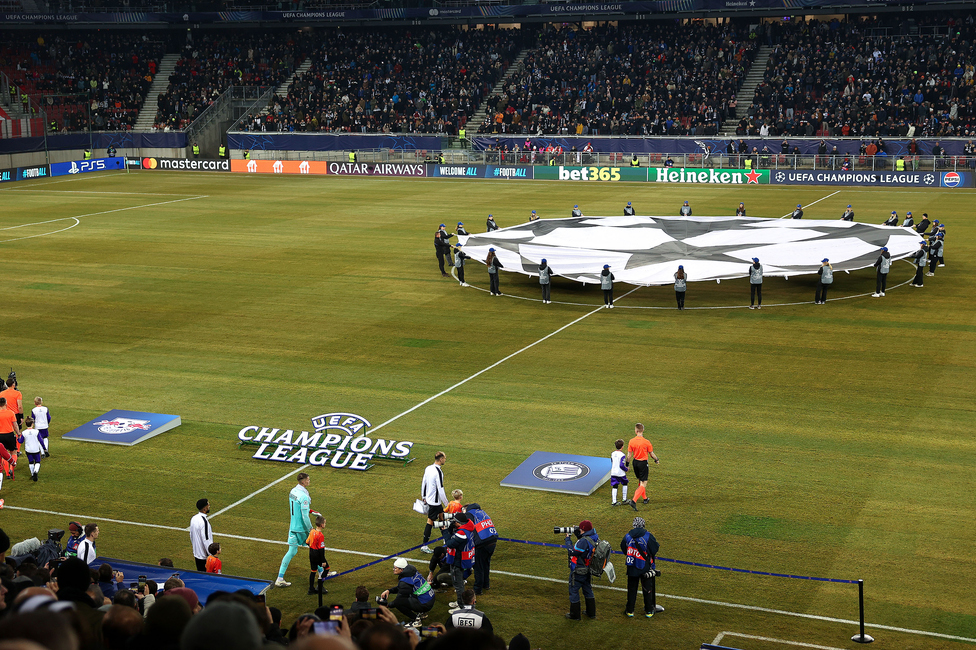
(574, 612)
(591, 607)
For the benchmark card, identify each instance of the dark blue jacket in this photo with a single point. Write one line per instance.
(581, 552)
(413, 584)
(641, 548)
(484, 527)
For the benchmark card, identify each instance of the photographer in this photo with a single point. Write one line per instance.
(641, 548)
(485, 539)
(460, 548)
(414, 597)
(580, 555)
(439, 568)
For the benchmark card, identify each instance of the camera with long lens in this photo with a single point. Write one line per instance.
(448, 519)
(381, 601)
(566, 530)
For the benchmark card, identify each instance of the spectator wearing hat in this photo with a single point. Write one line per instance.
(685, 210)
(798, 213)
(909, 220)
(490, 224)
(442, 247)
(459, 257)
(892, 220)
(493, 264)
(545, 274)
(606, 283)
(826, 273)
(629, 210)
(413, 595)
(741, 210)
(883, 264)
(461, 230)
(580, 554)
(640, 547)
(201, 534)
(680, 286)
(848, 214)
(76, 535)
(921, 259)
(755, 284)
(576, 212)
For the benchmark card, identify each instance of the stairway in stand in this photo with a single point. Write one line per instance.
(743, 98)
(147, 115)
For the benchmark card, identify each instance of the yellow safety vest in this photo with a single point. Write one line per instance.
(900, 165)
(196, 150)
(222, 151)
(634, 162)
(87, 155)
(352, 156)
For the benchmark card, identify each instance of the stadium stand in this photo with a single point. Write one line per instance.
(868, 78)
(372, 81)
(646, 79)
(213, 62)
(101, 74)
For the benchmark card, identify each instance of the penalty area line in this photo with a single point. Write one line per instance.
(430, 399)
(690, 599)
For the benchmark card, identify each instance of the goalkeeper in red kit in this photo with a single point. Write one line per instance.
(316, 556)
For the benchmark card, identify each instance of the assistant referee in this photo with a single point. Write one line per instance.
(638, 450)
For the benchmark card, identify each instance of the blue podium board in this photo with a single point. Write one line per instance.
(566, 473)
(124, 427)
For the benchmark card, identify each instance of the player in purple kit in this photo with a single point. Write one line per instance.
(618, 472)
(42, 420)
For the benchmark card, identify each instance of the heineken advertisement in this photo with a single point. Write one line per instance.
(339, 441)
(709, 176)
(598, 174)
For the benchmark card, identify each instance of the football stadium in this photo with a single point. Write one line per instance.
(348, 325)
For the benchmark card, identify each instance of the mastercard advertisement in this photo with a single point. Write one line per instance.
(278, 166)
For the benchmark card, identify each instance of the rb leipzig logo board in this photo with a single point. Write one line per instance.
(567, 473)
(124, 427)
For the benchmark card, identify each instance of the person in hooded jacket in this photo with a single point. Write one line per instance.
(413, 595)
(606, 283)
(545, 275)
(755, 284)
(680, 286)
(826, 273)
(883, 264)
(493, 264)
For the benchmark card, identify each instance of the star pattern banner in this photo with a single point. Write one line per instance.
(646, 251)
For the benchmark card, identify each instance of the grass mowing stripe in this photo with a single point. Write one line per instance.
(430, 399)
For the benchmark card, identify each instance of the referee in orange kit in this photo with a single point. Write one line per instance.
(638, 450)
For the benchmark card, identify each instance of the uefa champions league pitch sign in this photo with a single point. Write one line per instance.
(339, 440)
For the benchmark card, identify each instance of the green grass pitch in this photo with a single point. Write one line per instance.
(832, 441)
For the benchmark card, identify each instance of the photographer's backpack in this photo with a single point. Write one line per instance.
(601, 553)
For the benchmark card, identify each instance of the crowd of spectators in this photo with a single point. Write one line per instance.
(104, 75)
(210, 63)
(392, 81)
(868, 78)
(76, 607)
(644, 79)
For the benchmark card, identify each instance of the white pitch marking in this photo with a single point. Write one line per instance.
(13, 189)
(93, 214)
(530, 577)
(814, 203)
(771, 640)
(428, 400)
(53, 232)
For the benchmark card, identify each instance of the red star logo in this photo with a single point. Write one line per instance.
(754, 176)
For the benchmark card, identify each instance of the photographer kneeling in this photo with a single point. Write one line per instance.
(580, 555)
(641, 548)
(414, 597)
